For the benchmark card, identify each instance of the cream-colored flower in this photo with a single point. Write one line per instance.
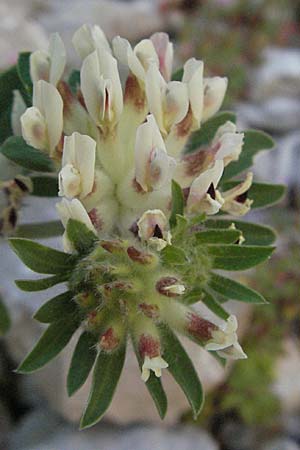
(236, 201)
(225, 341)
(155, 364)
(165, 52)
(168, 102)
(203, 195)
(49, 65)
(153, 228)
(176, 289)
(153, 166)
(193, 77)
(89, 38)
(229, 143)
(72, 210)
(76, 177)
(42, 124)
(138, 59)
(214, 93)
(101, 88)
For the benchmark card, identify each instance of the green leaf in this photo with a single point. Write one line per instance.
(238, 257)
(254, 142)
(9, 81)
(16, 150)
(218, 236)
(262, 194)
(106, 375)
(177, 203)
(177, 75)
(74, 81)
(41, 259)
(23, 68)
(51, 343)
(194, 296)
(5, 125)
(82, 362)
(182, 369)
(42, 283)
(154, 386)
(40, 230)
(173, 255)
(254, 234)
(4, 318)
(81, 237)
(206, 133)
(56, 308)
(212, 303)
(234, 290)
(45, 186)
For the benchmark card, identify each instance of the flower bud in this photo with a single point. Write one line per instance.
(169, 287)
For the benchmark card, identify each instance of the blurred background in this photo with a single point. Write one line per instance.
(255, 404)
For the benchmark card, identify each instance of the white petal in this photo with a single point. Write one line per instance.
(39, 65)
(89, 38)
(69, 181)
(153, 166)
(101, 86)
(155, 92)
(18, 109)
(73, 210)
(229, 141)
(80, 152)
(124, 54)
(177, 102)
(193, 76)
(214, 93)
(34, 129)
(147, 225)
(91, 87)
(146, 53)
(201, 184)
(165, 51)
(57, 54)
(48, 100)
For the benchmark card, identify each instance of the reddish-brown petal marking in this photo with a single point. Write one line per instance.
(96, 220)
(109, 340)
(137, 187)
(67, 96)
(149, 346)
(138, 256)
(80, 98)
(134, 94)
(184, 127)
(199, 327)
(166, 282)
(151, 311)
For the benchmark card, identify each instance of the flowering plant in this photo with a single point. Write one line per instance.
(141, 165)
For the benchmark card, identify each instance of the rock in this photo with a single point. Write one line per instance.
(17, 32)
(43, 430)
(291, 425)
(279, 74)
(287, 384)
(277, 114)
(280, 163)
(280, 444)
